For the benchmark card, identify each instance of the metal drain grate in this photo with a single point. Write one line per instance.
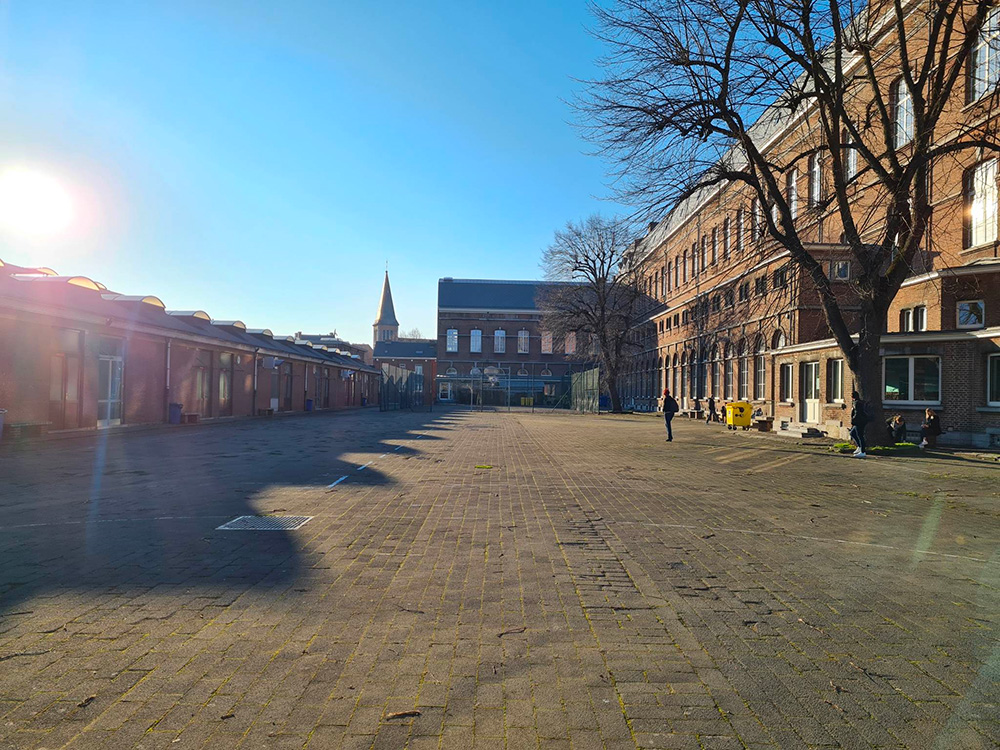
(265, 523)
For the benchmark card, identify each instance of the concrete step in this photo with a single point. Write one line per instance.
(798, 430)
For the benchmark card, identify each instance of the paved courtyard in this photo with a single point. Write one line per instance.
(496, 581)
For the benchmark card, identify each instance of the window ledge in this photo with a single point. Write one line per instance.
(988, 409)
(936, 406)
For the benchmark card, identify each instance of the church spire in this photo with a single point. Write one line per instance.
(386, 326)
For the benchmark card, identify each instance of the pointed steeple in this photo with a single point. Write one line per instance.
(386, 313)
(386, 326)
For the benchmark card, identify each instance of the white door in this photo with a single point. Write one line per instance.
(810, 392)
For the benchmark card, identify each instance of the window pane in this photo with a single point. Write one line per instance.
(897, 379)
(970, 314)
(926, 379)
(476, 340)
(452, 341)
(994, 379)
(983, 204)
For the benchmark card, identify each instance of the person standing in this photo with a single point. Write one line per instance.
(859, 420)
(930, 429)
(712, 416)
(670, 408)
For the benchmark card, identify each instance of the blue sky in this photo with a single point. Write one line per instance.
(263, 160)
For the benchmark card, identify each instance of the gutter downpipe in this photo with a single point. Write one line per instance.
(253, 406)
(167, 381)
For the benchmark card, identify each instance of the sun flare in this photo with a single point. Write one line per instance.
(34, 204)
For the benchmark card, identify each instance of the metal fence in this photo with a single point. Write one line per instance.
(498, 389)
(585, 391)
(402, 389)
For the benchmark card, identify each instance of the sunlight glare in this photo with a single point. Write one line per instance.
(34, 204)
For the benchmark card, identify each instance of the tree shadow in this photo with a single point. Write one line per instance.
(119, 514)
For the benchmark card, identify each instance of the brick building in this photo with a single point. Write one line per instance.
(491, 331)
(731, 317)
(76, 355)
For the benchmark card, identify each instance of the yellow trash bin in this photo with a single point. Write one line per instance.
(739, 414)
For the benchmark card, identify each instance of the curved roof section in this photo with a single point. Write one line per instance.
(80, 281)
(230, 324)
(199, 314)
(148, 299)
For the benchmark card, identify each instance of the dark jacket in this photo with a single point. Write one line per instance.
(859, 413)
(933, 425)
(670, 406)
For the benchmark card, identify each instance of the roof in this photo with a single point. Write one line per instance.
(406, 349)
(66, 296)
(491, 294)
(386, 313)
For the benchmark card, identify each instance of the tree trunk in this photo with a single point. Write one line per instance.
(616, 400)
(867, 372)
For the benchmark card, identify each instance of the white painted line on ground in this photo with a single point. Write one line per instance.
(397, 447)
(363, 466)
(334, 484)
(383, 455)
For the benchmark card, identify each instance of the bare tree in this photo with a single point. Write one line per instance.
(602, 303)
(693, 93)
(413, 333)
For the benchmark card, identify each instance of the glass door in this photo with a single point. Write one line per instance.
(109, 394)
(810, 392)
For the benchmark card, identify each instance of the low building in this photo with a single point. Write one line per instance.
(77, 355)
(492, 344)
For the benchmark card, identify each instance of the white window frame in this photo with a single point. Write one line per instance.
(920, 318)
(981, 199)
(792, 192)
(985, 61)
(740, 222)
(906, 321)
(725, 238)
(992, 361)
(715, 245)
(835, 380)
(910, 400)
(451, 340)
(815, 180)
(500, 341)
(787, 382)
(902, 114)
(850, 162)
(744, 385)
(836, 266)
(727, 378)
(759, 377)
(546, 342)
(523, 342)
(958, 314)
(476, 341)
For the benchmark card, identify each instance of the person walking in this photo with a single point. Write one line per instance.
(859, 420)
(712, 416)
(930, 429)
(670, 408)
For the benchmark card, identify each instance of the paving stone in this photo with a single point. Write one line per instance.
(596, 588)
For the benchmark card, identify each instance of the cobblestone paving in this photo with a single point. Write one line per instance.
(521, 581)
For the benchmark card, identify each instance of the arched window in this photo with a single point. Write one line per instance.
(744, 384)
(715, 390)
(902, 113)
(684, 374)
(759, 370)
(728, 375)
(702, 373)
(778, 340)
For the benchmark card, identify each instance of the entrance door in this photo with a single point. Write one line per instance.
(110, 370)
(225, 386)
(64, 390)
(810, 392)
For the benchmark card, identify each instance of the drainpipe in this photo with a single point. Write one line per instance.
(166, 378)
(253, 406)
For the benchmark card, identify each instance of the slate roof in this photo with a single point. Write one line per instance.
(491, 294)
(386, 312)
(406, 349)
(78, 296)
